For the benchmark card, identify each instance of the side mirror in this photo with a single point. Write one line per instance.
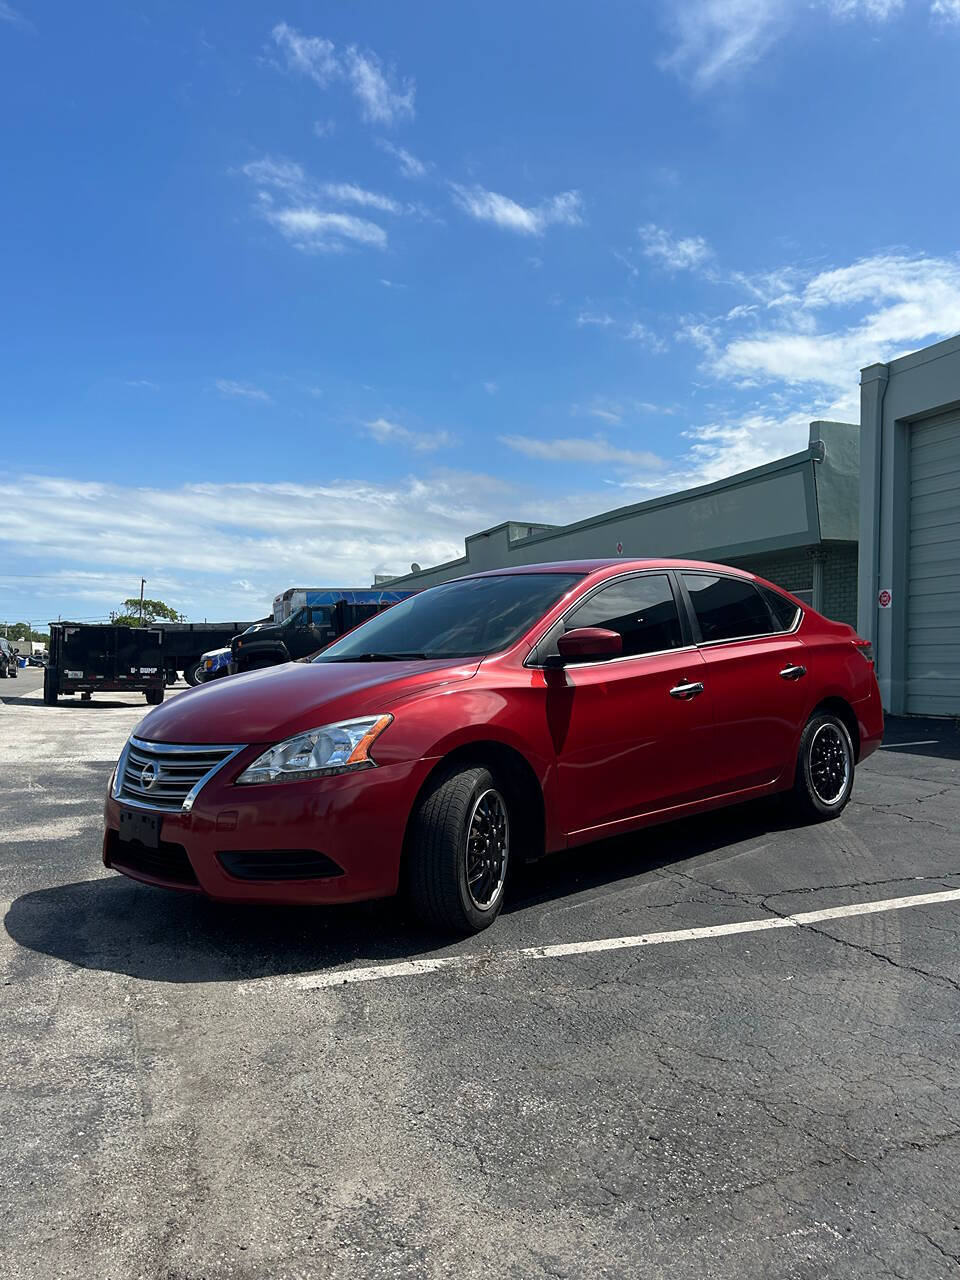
(586, 643)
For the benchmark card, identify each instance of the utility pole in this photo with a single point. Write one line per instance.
(143, 583)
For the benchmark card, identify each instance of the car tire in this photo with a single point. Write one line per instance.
(3, 672)
(191, 673)
(451, 884)
(825, 768)
(154, 697)
(50, 690)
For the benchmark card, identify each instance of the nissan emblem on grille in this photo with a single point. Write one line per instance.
(167, 776)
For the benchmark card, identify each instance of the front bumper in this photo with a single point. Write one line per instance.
(356, 822)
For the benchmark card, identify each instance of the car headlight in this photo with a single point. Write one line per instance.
(335, 748)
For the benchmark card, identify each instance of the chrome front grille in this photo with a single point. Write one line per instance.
(164, 776)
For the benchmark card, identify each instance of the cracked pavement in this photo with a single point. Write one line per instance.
(783, 1103)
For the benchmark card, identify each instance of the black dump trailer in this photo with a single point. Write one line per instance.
(185, 643)
(90, 659)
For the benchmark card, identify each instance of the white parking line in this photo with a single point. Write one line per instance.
(559, 950)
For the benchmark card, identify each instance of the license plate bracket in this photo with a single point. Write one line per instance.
(144, 828)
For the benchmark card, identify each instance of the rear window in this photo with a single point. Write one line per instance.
(727, 608)
(784, 611)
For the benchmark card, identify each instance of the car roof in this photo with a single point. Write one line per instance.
(620, 563)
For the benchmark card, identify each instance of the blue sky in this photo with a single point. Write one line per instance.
(295, 294)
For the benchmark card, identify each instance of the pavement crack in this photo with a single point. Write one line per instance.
(861, 946)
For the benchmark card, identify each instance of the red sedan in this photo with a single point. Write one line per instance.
(492, 719)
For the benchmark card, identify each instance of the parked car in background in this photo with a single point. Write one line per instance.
(489, 720)
(8, 659)
(213, 665)
(305, 620)
(184, 644)
(36, 659)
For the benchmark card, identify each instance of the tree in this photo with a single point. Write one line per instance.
(152, 610)
(22, 631)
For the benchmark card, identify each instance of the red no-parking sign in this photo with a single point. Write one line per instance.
(885, 598)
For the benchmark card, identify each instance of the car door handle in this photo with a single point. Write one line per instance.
(793, 673)
(686, 691)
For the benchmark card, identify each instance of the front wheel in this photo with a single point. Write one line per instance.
(191, 673)
(154, 697)
(824, 780)
(459, 852)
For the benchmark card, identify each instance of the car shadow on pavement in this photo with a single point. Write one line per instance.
(114, 924)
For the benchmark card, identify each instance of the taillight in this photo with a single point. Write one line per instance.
(865, 650)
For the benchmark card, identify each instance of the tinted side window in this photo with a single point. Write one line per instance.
(642, 610)
(784, 611)
(727, 608)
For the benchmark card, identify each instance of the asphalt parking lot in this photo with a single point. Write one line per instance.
(196, 1091)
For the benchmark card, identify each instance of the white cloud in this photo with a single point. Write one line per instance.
(714, 39)
(14, 17)
(386, 432)
(638, 332)
(349, 193)
(383, 99)
(290, 201)
(324, 128)
(96, 538)
(599, 319)
(878, 10)
(612, 414)
(491, 388)
(675, 253)
(530, 220)
(410, 166)
(889, 304)
(949, 10)
(275, 172)
(315, 230)
(577, 449)
(717, 40)
(805, 359)
(241, 390)
(144, 383)
(310, 55)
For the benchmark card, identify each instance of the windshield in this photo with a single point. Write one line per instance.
(470, 618)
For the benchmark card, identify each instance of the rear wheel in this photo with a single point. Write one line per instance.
(154, 697)
(459, 852)
(190, 673)
(825, 767)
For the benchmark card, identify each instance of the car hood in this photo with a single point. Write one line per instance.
(277, 702)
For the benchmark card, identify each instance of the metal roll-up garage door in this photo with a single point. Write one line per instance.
(933, 584)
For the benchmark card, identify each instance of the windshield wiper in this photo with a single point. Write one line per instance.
(377, 657)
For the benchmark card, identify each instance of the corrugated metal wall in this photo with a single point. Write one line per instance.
(933, 581)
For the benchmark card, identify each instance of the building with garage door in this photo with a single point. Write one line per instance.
(909, 590)
(793, 521)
